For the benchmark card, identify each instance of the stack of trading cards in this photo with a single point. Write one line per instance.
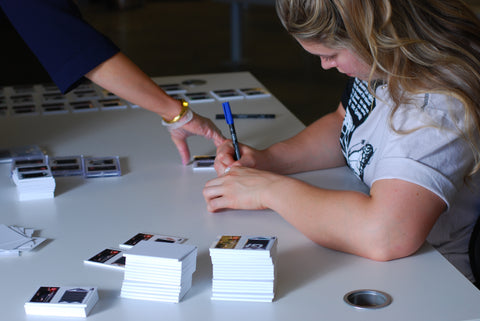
(159, 271)
(33, 178)
(64, 301)
(15, 239)
(244, 268)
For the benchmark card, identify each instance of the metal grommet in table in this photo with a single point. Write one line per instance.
(367, 299)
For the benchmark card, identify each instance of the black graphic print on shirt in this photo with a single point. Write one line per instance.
(360, 104)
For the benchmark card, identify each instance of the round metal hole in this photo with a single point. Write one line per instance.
(367, 299)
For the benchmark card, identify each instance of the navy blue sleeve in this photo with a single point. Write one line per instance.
(65, 44)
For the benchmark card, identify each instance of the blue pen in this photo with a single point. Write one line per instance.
(229, 120)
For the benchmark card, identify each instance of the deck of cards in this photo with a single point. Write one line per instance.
(244, 268)
(64, 301)
(159, 271)
(33, 178)
(15, 239)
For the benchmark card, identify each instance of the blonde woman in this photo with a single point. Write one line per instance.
(407, 125)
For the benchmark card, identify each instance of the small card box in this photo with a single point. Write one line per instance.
(66, 165)
(102, 166)
(64, 301)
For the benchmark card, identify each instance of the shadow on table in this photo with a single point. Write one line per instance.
(300, 266)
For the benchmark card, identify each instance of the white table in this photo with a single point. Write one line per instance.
(156, 194)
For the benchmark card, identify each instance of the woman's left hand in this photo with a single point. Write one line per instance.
(239, 188)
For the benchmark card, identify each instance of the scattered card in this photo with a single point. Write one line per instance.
(227, 94)
(66, 165)
(199, 97)
(111, 258)
(203, 162)
(102, 166)
(255, 93)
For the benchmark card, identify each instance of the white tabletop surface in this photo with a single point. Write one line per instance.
(156, 194)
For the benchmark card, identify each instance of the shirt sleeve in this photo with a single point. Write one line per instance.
(64, 43)
(430, 150)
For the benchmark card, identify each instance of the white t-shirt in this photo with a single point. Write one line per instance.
(428, 152)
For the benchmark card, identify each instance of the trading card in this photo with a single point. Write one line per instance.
(201, 162)
(66, 165)
(227, 242)
(172, 88)
(85, 94)
(111, 103)
(85, 85)
(83, 106)
(199, 97)
(245, 242)
(45, 294)
(50, 87)
(3, 110)
(255, 92)
(177, 96)
(108, 94)
(108, 258)
(227, 94)
(194, 82)
(24, 110)
(21, 99)
(32, 168)
(29, 161)
(102, 166)
(54, 108)
(54, 97)
(34, 175)
(21, 152)
(257, 243)
(151, 238)
(23, 89)
(62, 301)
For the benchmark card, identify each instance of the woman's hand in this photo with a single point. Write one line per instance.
(250, 157)
(200, 126)
(239, 188)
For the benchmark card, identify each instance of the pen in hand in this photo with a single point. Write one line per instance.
(229, 120)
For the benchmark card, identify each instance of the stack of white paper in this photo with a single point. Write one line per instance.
(14, 239)
(244, 268)
(159, 271)
(33, 178)
(65, 301)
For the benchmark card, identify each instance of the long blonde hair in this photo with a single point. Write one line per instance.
(417, 46)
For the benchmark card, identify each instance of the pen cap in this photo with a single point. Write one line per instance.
(228, 113)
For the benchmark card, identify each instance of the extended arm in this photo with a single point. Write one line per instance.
(123, 78)
(392, 222)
